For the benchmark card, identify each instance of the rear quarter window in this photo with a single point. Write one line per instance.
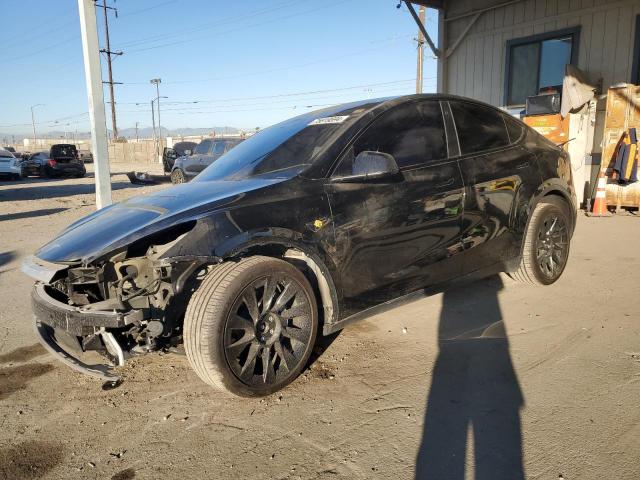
(479, 128)
(514, 128)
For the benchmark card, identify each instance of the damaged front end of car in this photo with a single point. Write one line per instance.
(116, 306)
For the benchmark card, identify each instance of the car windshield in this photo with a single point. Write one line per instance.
(287, 148)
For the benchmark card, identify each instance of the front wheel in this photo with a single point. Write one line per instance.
(546, 244)
(177, 176)
(251, 325)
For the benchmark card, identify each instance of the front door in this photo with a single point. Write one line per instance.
(403, 231)
(194, 163)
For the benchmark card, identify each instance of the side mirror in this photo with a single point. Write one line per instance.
(371, 166)
(187, 153)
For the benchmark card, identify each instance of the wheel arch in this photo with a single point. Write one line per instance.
(312, 262)
(554, 188)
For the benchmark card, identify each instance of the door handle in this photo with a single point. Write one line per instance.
(522, 165)
(445, 184)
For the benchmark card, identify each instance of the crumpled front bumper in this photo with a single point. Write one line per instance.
(54, 320)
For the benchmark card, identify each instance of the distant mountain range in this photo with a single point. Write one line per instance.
(146, 132)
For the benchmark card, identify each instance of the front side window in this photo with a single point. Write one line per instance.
(203, 147)
(479, 128)
(538, 63)
(414, 134)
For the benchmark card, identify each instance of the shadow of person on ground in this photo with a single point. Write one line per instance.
(474, 391)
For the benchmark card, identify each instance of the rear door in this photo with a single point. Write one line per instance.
(500, 175)
(403, 231)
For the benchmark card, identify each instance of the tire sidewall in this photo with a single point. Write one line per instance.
(177, 177)
(546, 207)
(216, 352)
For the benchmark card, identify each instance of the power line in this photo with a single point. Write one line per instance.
(239, 28)
(331, 59)
(209, 25)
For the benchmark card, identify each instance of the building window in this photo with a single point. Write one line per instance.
(537, 63)
(635, 74)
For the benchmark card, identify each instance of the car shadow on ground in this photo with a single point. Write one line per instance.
(31, 214)
(474, 391)
(44, 190)
(6, 257)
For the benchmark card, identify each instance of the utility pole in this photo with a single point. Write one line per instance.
(33, 122)
(136, 131)
(421, 42)
(97, 117)
(107, 51)
(157, 82)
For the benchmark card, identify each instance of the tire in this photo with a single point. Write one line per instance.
(177, 176)
(228, 342)
(547, 242)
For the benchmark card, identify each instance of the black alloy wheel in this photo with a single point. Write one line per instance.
(269, 330)
(552, 246)
(250, 325)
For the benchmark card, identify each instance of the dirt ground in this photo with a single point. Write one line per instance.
(489, 380)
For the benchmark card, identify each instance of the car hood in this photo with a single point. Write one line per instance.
(118, 225)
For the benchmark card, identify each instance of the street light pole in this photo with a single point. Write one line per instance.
(157, 82)
(153, 122)
(33, 121)
(159, 136)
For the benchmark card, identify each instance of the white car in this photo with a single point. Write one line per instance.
(10, 165)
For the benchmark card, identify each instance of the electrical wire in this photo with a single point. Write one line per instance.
(163, 45)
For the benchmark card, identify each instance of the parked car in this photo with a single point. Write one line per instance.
(18, 155)
(85, 155)
(60, 160)
(10, 165)
(302, 229)
(204, 154)
(170, 154)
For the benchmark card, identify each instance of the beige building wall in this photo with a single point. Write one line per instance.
(476, 68)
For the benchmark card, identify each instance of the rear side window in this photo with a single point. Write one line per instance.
(203, 147)
(413, 134)
(514, 128)
(479, 128)
(218, 148)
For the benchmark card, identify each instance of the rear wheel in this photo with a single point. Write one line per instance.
(251, 325)
(177, 176)
(546, 244)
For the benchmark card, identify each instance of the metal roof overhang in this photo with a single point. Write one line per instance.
(412, 11)
(429, 3)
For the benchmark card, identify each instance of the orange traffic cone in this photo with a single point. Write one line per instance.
(600, 204)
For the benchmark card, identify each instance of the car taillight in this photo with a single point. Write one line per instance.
(51, 162)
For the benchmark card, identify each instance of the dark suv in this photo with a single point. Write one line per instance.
(302, 229)
(205, 153)
(62, 159)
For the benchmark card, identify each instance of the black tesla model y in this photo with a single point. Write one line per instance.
(300, 230)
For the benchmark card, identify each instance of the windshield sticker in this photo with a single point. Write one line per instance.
(326, 120)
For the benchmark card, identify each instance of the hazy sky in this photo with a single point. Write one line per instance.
(240, 60)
